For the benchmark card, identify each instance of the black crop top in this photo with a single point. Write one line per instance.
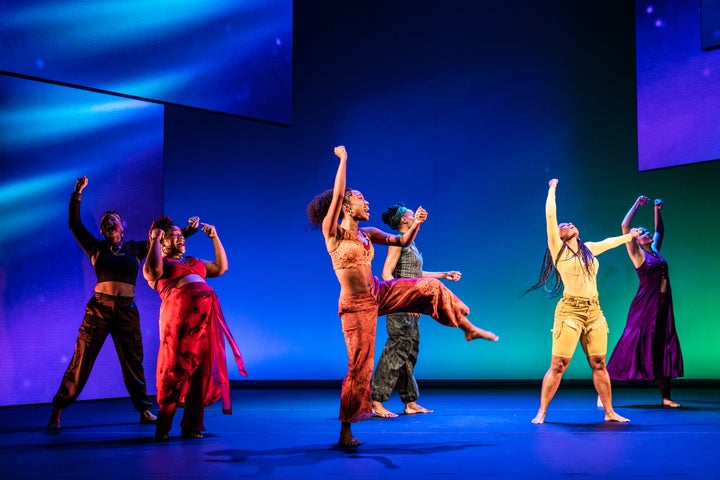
(122, 266)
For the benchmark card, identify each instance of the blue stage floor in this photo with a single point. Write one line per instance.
(289, 433)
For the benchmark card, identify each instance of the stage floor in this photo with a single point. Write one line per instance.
(290, 433)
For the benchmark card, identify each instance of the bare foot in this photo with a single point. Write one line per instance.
(539, 418)
(611, 416)
(346, 437)
(412, 408)
(667, 403)
(349, 442)
(473, 333)
(379, 410)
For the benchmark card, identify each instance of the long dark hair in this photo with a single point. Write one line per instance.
(550, 279)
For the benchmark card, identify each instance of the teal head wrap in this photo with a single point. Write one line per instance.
(395, 221)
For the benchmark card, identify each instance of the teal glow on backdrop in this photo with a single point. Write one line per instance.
(469, 119)
(51, 136)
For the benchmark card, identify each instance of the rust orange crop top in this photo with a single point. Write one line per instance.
(351, 252)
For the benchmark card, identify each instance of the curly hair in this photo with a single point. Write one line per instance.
(389, 214)
(319, 206)
(163, 223)
(554, 288)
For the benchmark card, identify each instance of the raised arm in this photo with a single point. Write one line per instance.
(659, 226)
(406, 239)
(143, 247)
(630, 215)
(330, 222)
(153, 266)
(192, 227)
(83, 236)
(633, 250)
(553, 232)
(220, 265)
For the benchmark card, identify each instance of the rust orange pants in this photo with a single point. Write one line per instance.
(359, 313)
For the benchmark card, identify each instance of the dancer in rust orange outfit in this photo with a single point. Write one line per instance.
(338, 212)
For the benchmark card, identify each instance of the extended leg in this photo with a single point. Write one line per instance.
(430, 297)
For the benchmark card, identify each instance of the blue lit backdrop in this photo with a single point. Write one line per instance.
(678, 90)
(467, 111)
(51, 136)
(231, 56)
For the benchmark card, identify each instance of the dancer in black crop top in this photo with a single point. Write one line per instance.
(110, 311)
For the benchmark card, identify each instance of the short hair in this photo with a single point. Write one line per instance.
(107, 214)
(164, 223)
(390, 217)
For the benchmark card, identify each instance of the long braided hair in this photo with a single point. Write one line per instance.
(550, 279)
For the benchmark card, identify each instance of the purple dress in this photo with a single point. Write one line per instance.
(649, 347)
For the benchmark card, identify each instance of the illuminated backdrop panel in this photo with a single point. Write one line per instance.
(52, 135)
(230, 56)
(468, 122)
(678, 87)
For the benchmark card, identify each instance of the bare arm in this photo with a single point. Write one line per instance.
(220, 265)
(393, 255)
(611, 242)
(330, 222)
(392, 258)
(153, 267)
(659, 226)
(406, 239)
(553, 231)
(192, 227)
(634, 252)
(453, 275)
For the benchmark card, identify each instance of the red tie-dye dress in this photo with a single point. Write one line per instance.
(191, 360)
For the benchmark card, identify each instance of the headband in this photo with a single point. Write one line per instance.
(395, 220)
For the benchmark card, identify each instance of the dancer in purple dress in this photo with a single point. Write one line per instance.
(649, 349)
